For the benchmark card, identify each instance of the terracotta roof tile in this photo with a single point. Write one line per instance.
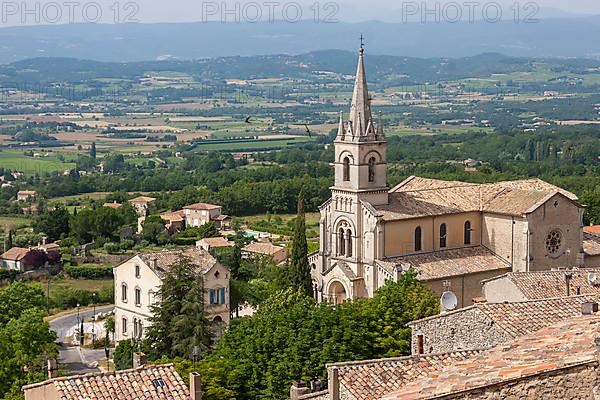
(162, 261)
(371, 379)
(133, 384)
(595, 229)
(566, 343)
(522, 318)
(142, 199)
(15, 253)
(420, 197)
(591, 244)
(551, 284)
(266, 248)
(216, 242)
(448, 263)
(202, 206)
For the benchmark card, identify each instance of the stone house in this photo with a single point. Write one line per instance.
(138, 279)
(591, 249)
(203, 213)
(141, 203)
(145, 382)
(211, 243)
(265, 250)
(484, 325)
(559, 362)
(24, 195)
(522, 286)
(27, 259)
(370, 233)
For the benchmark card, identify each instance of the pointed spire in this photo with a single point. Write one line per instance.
(360, 110)
(341, 130)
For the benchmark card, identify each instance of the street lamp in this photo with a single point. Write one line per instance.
(94, 320)
(107, 353)
(80, 333)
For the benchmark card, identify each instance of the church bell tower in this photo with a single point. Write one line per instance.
(360, 148)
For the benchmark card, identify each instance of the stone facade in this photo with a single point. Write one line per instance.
(461, 330)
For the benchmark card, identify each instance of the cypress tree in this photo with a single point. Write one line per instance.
(299, 268)
(9, 241)
(93, 151)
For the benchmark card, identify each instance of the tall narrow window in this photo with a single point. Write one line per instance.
(443, 231)
(342, 243)
(124, 327)
(418, 239)
(346, 169)
(135, 328)
(137, 271)
(372, 169)
(420, 344)
(124, 293)
(468, 232)
(138, 297)
(349, 244)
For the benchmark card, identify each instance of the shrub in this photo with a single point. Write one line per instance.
(89, 272)
(111, 247)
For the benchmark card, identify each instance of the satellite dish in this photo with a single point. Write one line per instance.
(592, 278)
(448, 301)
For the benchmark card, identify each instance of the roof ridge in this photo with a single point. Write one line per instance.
(95, 374)
(405, 358)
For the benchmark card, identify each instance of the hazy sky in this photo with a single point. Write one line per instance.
(14, 13)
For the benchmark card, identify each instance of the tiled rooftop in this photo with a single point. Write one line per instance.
(15, 253)
(202, 206)
(448, 263)
(216, 242)
(173, 216)
(148, 382)
(567, 343)
(522, 318)
(366, 380)
(142, 199)
(162, 261)
(595, 229)
(420, 197)
(262, 248)
(551, 284)
(591, 244)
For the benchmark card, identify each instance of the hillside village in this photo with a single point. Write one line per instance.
(426, 289)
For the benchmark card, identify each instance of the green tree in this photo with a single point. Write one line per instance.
(299, 269)
(18, 297)
(9, 240)
(152, 227)
(123, 355)
(93, 151)
(178, 322)
(54, 223)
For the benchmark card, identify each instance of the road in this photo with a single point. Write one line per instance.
(78, 360)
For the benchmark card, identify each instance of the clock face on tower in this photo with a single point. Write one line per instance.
(554, 243)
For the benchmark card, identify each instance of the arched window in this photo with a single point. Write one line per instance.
(342, 243)
(346, 169)
(349, 245)
(468, 232)
(124, 292)
(372, 169)
(443, 231)
(418, 239)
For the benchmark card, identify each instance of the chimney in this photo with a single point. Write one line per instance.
(52, 370)
(299, 388)
(333, 383)
(139, 359)
(589, 308)
(195, 386)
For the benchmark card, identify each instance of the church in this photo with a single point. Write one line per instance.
(452, 235)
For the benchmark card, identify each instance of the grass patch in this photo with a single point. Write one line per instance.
(15, 160)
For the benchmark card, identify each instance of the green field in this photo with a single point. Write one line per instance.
(14, 222)
(253, 145)
(15, 160)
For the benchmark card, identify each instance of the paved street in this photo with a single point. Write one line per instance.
(78, 361)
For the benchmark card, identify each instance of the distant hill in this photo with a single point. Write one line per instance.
(551, 37)
(385, 70)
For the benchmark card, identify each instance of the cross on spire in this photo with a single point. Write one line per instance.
(362, 41)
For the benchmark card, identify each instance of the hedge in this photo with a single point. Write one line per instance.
(88, 272)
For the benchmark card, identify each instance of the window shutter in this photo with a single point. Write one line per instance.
(222, 295)
(212, 296)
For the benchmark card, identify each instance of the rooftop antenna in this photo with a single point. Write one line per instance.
(362, 41)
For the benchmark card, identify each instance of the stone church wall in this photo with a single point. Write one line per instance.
(467, 329)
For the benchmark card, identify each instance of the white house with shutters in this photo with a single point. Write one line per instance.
(138, 279)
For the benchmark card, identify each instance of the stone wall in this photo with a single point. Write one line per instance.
(459, 330)
(579, 382)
